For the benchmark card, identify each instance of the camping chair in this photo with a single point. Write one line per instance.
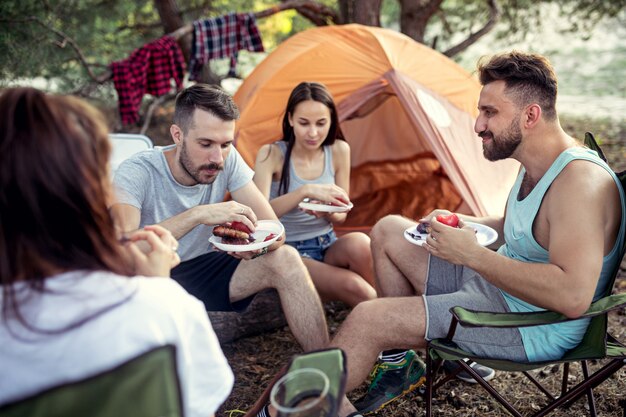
(597, 343)
(125, 145)
(145, 386)
(330, 361)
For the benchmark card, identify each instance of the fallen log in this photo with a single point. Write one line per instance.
(264, 314)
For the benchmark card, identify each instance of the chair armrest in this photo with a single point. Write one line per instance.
(472, 318)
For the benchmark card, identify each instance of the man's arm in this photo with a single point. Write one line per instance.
(577, 224)
(127, 219)
(249, 195)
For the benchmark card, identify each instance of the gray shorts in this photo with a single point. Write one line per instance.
(450, 285)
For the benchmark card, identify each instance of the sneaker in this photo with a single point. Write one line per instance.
(485, 372)
(390, 381)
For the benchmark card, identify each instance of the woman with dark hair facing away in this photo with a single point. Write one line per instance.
(76, 298)
(311, 163)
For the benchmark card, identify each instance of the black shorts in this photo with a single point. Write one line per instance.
(207, 278)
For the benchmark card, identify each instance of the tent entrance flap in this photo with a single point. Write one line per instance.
(394, 170)
(410, 187)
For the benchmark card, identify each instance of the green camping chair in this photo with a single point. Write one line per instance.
(146, 386)
(331, 361)
(596, 344)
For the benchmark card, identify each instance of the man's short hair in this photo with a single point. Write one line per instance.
(529, 78)
(206, 97)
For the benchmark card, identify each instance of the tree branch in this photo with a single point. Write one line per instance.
(153, 106)
(140, 26)
(302, 6)
(158, 24)
(316, 12)
(494, 15)
(65, 40)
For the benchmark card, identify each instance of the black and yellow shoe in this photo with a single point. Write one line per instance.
(390, 381)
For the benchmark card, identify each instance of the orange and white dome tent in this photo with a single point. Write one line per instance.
(406, 110)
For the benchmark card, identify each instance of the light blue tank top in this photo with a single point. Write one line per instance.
(298, 224)
(551, 341)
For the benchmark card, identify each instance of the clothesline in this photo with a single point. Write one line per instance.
(149, 69)
(187, 29)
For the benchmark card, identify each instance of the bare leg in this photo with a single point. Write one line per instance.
(352, 251)
(335, 283)
(400, 266)
(377, 325)
(283, 269)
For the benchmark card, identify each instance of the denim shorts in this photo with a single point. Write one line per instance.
(314, 248)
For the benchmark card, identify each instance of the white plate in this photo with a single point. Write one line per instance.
(324, 207)
(484, 234)
(263, 229)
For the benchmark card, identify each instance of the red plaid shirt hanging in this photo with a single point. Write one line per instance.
(222, 37)
(148, 70)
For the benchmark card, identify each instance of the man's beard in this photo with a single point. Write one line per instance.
(195, 172)
(505, 144)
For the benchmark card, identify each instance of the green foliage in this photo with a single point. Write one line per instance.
(36, 35)
(609, 134)
(458, 18)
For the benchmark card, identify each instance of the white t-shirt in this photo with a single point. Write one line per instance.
(144, 313)
(145, 181)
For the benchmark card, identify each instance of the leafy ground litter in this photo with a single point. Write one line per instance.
(255, 361)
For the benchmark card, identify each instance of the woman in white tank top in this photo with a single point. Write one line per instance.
(309, 163)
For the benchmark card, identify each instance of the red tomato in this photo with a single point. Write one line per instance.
(451, 220)
(269, 237)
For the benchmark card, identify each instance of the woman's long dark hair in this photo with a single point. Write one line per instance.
(303, 92)
(54, 183)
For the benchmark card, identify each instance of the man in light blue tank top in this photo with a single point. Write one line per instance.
(182, 187)
(560, 239)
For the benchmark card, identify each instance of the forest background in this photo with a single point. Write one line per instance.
(66, 46)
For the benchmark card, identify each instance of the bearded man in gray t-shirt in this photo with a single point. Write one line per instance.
(182, 188)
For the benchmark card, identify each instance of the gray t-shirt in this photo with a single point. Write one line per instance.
(298, 224)
(146, 182)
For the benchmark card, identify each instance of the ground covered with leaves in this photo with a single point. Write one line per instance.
(255, 361)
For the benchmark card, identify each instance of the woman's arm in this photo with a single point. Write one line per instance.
(341, 162)
(269, 163)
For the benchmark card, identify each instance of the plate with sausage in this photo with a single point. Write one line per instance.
(236, 237)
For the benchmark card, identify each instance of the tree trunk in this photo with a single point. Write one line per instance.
(494, 15)
(414, 17)
(365, 12)
(172, 19)
(263, 314)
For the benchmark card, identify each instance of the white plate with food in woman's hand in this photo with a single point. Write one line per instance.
(265, 233)
(484, 234)
(316, 205)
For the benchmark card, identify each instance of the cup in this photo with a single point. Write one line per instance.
(302, 393)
